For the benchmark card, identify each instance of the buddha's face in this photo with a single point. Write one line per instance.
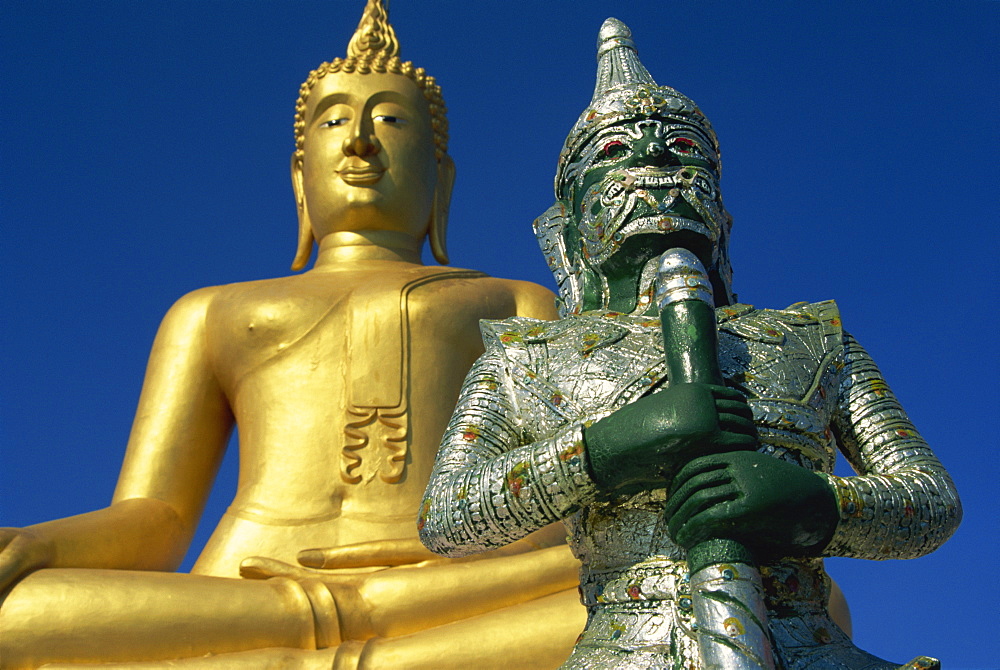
(368, 160)
(652, 178)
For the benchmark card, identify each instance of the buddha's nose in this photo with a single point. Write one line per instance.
(361, 144)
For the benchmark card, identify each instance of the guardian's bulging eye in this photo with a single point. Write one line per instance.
(684, 146)
(615, 149)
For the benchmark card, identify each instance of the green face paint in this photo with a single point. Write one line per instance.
(645, 175)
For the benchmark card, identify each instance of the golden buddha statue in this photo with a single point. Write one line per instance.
(341, 381)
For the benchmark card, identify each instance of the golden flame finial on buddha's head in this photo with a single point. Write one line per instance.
(374, 36)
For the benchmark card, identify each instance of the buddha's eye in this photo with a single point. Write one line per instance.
(332, 123)
(390, 119)
(615, 149)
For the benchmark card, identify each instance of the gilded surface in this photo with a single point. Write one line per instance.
(340, 381)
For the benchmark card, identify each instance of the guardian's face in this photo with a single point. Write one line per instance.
(648, 175)
(368, 156)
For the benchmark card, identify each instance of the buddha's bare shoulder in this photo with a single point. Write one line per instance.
(293, 297)
(204, 298)
(262, 312)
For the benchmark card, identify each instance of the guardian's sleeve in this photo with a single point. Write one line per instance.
(902, 503)
(489, 487)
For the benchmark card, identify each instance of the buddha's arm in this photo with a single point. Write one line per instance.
(487, 488)
(177, 442)
(901, 485)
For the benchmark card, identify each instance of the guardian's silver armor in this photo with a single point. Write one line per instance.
(512, 459)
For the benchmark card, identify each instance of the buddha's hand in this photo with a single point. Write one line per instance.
(385, 553)
(327, 562)
(772, 507)
(643, 444)
(21, 551)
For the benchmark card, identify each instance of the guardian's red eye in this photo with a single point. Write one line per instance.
(683, 145)
(614, 148)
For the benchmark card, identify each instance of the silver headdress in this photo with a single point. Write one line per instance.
(624, 91)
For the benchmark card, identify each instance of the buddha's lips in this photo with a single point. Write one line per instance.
(361, 176)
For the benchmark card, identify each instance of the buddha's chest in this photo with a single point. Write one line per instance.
(357, 329)
(272, 328)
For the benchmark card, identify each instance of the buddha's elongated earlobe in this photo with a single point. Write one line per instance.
(439, 212)
(305, 245)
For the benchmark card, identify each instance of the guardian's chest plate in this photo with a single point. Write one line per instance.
(582, 368)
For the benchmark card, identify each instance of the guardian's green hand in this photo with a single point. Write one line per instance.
(772, 507)
(645, 443)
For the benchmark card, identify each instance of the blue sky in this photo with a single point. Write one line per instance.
(145, 154)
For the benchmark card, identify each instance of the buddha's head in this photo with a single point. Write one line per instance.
(638, 174)
(371, 143)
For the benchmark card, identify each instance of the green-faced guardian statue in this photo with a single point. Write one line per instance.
(687, 440)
